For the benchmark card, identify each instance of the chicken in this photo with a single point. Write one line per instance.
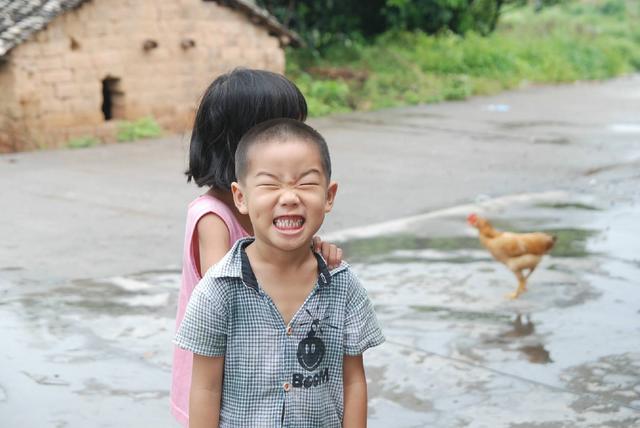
(518, 251)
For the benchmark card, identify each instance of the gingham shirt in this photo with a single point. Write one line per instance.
(278, 375)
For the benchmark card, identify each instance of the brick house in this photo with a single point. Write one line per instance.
(74, 68)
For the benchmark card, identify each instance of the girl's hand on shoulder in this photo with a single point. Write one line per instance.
(331, 253)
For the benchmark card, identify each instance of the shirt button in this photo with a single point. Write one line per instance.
(286, 386)
(289, 330)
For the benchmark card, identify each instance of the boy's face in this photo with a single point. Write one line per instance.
(285, 192)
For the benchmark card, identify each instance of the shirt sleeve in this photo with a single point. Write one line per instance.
(362, 330)
(203, 330)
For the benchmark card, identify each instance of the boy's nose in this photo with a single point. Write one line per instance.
(289, 197)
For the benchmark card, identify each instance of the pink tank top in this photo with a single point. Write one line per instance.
(183, 360)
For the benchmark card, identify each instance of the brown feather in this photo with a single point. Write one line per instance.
(520, 252)
(506, 245)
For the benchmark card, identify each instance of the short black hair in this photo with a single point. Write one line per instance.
(276, 130)
(231, 105)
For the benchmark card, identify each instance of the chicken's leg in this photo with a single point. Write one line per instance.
(531, 269)
(522, 286)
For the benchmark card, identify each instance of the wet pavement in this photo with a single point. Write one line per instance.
(565, 354)
(91, 350)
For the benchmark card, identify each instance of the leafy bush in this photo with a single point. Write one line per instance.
(613, 8)
(146, 127)
(432, 16)
(566, 42)
(324, 96)
(324, 23)
(328, 22)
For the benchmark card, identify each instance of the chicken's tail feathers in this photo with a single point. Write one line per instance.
(554, 238)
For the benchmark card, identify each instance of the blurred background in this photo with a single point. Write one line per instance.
(74, 74)
(386, 53)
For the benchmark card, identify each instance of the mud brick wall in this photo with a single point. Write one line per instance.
(158, 57)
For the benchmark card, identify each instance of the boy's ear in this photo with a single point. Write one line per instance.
(331, 196)
(238, 198)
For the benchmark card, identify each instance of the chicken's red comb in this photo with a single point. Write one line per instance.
(471, 218)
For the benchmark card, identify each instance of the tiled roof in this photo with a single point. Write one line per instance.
(19, 19)
(259, 16)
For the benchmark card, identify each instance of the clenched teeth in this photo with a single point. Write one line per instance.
(288, 222)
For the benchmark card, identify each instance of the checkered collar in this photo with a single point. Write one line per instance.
(236, 264)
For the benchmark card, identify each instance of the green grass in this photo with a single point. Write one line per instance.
(576, 40)
(146, 127)
(82, 142)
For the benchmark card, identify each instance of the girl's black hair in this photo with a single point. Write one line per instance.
(231, 105)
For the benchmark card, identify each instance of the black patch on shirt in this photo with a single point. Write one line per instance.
(311, 349)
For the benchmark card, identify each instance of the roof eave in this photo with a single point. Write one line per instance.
(259, 16)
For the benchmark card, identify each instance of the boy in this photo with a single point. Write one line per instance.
(277, 338)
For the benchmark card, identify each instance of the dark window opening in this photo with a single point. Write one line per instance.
(112, 99)
(73, 44)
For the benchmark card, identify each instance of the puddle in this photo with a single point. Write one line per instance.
(11, 269)
(625, 128)
(534, 124)
(457, 352)
(536, 354)
(442, 297)
(454, 249)
(631, 164)
(616, 375)
(499, 108)
(561, 141)
(112, 297)
(90, 345)
(367, 248)
(573, 242)
(425, 114)
(569, 206)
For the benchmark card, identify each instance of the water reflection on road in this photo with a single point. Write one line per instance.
(566, 353)
(458, 353)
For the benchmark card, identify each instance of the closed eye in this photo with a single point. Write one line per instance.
(308, 184)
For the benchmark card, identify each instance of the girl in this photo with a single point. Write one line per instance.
(231, 105)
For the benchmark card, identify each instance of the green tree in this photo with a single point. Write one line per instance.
(325, 22)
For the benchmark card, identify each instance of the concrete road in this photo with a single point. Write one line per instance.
(91, 246)
(120, 208)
